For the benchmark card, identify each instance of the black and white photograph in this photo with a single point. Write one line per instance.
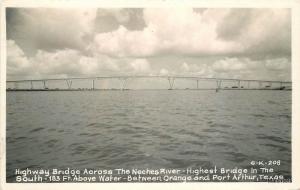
(148, 94)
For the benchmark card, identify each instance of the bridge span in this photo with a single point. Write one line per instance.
(124, 79)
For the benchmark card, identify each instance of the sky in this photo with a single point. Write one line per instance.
(227, 43)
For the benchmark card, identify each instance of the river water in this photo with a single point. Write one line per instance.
(147, 129)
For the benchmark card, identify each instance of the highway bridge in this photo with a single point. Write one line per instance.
(124, 79)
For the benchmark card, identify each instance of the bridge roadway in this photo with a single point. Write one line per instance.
(171, 80)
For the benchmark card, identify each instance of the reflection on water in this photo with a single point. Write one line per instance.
(147, 129)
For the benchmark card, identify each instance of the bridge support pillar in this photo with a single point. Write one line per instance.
(44, 84)
(171, 82)
(16, 85)
(239, 84)
(31, 85)
(260, 84)
(123, 83)
(248, 85)
(219, 85)
(197, 84)
(93, 84)
(69, 83)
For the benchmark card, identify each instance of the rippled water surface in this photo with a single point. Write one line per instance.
(147, 128)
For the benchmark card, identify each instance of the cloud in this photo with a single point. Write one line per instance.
(152, 32)
(229, 43)
(49, 29)
(254, 30)
(176, 31)
(231, 64)
(185, 67)
(232, 67)
(122, 15)
(68, 63)
(277, 68)
(17, 61)
(209, 32)
(234, 23)
(163, 71)
(279, 64)
(110, 19)
(140, 66)
(122, 43)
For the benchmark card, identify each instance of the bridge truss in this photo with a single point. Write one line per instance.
(123, 80)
